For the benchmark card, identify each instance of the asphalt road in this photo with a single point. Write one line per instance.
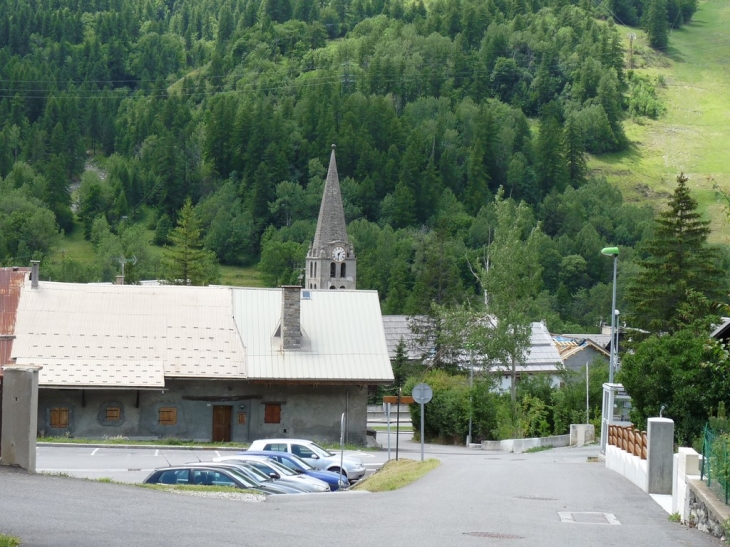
(474, 498)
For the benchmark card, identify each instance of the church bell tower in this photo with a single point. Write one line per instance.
(331, 259)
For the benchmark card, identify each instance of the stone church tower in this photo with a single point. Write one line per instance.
(331, 258)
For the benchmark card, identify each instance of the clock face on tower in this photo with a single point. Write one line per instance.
(338, 254)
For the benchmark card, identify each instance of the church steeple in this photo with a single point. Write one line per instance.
(331, 258)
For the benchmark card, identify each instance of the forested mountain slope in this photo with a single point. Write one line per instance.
(234, 103)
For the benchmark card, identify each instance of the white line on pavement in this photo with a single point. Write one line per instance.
(95, 451)
(157, 452)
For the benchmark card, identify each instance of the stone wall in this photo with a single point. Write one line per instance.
(705, 514)
(307, 411)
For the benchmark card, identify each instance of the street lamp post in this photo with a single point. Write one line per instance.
(612, 251)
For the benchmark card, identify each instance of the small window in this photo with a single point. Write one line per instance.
(241, 418)
(59, 418)
(278, 447)
(311, 269)
(315, 272)
(343, 270)
(333, 269)
(272, 413)
(113, 413)
(168, 416)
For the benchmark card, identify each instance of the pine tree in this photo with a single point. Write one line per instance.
(656, 24)
(679, 281)
(574, 151)
(184, 261)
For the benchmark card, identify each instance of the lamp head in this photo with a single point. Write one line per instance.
(610, 251)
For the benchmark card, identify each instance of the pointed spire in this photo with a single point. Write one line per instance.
(331, 225)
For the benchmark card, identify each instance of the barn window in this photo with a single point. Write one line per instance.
(272, 413)
(168, 416)
(113, 413)
(59, 418)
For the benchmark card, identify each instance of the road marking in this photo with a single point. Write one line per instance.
(95, 451)
(157, 452)
(218, 454)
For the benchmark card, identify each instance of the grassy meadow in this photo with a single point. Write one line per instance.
(693, 136)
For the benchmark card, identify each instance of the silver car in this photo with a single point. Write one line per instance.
(280, 473)
(314, 455)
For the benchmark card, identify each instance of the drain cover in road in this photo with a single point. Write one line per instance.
(492, 535)
(588, 518)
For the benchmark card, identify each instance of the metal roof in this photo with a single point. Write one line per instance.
(11, 281)
(343, 335)
(79, 331)
(397, 328)
(602, 340)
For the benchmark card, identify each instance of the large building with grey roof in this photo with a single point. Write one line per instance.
(204, 363)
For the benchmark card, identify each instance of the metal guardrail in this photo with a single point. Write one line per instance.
(715, 463)
(629, 439)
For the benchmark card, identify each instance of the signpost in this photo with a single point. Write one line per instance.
(342, 445)
(395, 400)
(422, 394)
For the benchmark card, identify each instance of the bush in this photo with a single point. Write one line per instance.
(447, 415)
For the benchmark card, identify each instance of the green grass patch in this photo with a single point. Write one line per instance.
(538, 449)
(9, 541)
(694, 135)
(396, 474)
(238, 276)
(168, 441)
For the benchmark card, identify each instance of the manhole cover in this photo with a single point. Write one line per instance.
(536, 498)
(492, 535)
(588, 518)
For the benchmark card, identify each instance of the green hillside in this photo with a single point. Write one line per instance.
(693, 135)
(116, 113)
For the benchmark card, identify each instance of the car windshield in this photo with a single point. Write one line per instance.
(280, 468)
(301, 462)
(319, 450)
(241, 476)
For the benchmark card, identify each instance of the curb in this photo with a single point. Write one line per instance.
(155, 446)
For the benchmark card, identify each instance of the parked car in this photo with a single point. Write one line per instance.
(206, 476)
(280, 473)
(299, 465)
(261, 479)
(314, 455)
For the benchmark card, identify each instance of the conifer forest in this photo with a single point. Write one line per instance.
(118, 115)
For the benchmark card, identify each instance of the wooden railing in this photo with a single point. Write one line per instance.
(628, 439)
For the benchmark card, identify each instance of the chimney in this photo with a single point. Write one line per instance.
(34, 273)
(291, 331)
(119, 280)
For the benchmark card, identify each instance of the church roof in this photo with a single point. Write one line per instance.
(331, 222)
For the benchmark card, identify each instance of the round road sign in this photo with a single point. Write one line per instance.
(422, 393)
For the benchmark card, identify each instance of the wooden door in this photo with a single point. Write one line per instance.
(221, 424)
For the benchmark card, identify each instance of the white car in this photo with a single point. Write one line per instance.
(314, 455)
(278, 472)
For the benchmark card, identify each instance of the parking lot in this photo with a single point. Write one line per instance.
(474, 498)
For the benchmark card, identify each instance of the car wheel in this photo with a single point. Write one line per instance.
(337, 470)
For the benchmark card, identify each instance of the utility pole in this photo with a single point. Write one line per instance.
(122, 260)
(632, 37)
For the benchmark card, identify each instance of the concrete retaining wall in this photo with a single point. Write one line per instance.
(521, 445)
(632, 467)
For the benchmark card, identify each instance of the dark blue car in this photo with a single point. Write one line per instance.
(300, 466)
